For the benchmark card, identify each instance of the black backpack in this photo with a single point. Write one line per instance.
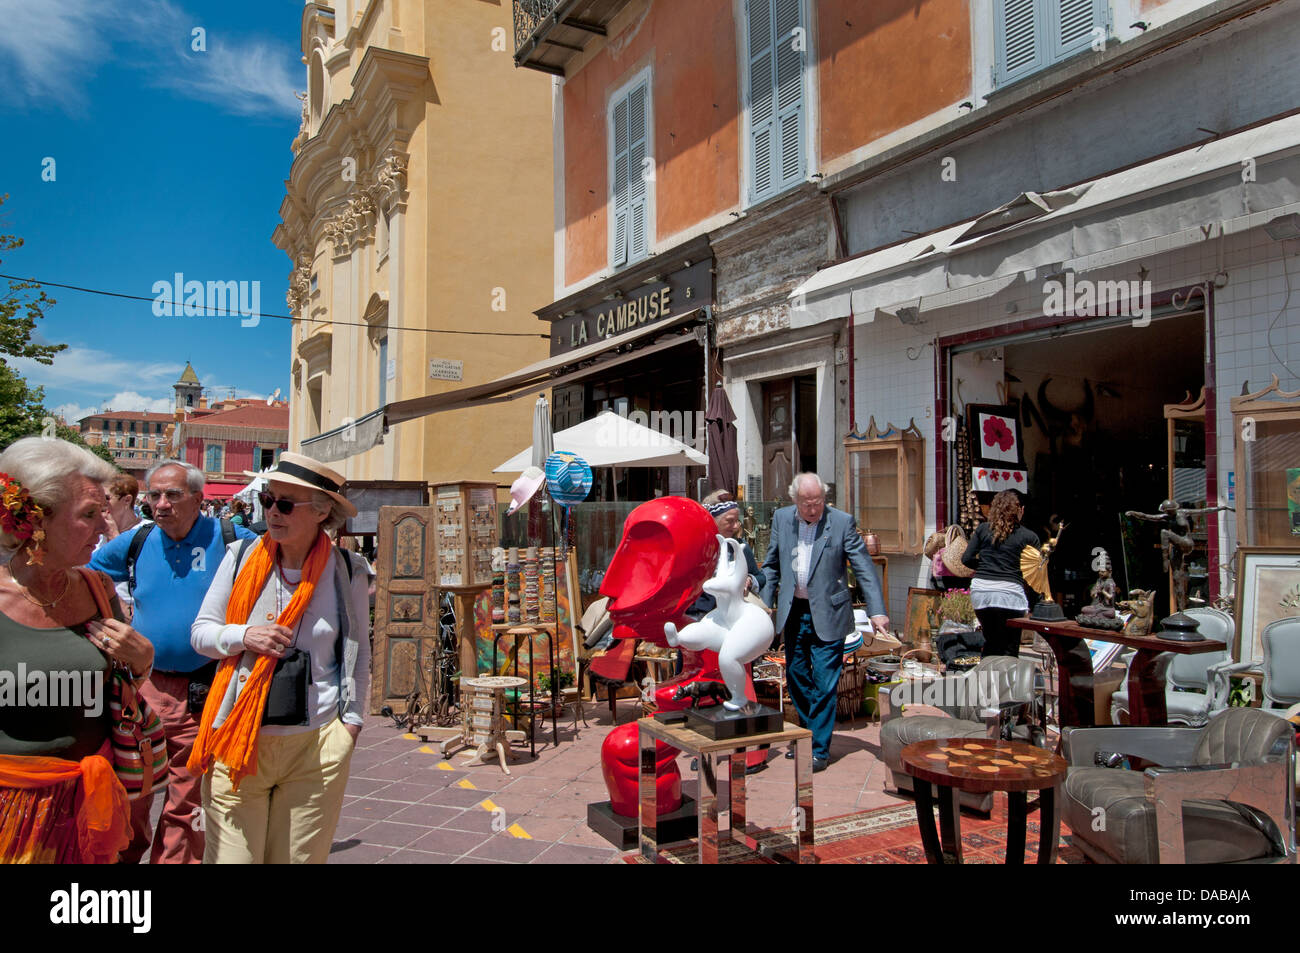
(137, 544)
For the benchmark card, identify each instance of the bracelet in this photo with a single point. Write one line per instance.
(139, 678)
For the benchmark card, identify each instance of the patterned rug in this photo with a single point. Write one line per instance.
(885, 835)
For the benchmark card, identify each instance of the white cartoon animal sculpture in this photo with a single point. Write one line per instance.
(737, 630)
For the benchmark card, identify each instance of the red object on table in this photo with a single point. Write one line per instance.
(1146, 673)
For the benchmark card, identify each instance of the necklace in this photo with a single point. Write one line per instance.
(67, 583)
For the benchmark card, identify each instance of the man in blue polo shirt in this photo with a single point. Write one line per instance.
(172, 572)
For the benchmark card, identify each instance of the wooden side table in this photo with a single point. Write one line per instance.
(724, 760)
(483, 719)
(980, 765)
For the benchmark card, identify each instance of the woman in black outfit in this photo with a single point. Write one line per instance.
(998, 590)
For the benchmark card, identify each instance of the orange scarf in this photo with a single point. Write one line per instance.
(234, 744)
(103, 811)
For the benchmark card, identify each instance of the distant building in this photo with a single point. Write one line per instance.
(137, 440)
(229, 437)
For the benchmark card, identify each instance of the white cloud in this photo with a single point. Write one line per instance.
(54, 48)
(122, 400)
(84, 370)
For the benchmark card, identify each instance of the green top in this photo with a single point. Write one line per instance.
(53, 692)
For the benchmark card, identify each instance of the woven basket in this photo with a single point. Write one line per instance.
(953, 552)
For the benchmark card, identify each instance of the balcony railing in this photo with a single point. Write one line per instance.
(529, 15)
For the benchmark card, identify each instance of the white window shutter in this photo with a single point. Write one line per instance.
(618, 254)
(638, 191)
(1018, 40)
(762, 95)
(789, 90)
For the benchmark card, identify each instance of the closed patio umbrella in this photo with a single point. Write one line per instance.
(724, 462)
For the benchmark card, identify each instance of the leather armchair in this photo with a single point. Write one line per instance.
(1188, 699)
(1008, 707)
(1223, 793)
(1281, 666)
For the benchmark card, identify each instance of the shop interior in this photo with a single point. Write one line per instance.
(1092, 410)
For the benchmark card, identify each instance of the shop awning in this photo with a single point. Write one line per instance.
(1223, 186)
(367, 432)
(221, 491)
(611, 440)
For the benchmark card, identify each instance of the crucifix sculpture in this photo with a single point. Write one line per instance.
(1176, 541)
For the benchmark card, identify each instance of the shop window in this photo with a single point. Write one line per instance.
(776, 43)
(631, 173)
(212, 458)
(886, 486)
(1030, 35)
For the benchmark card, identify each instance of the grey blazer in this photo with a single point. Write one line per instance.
(835, 544)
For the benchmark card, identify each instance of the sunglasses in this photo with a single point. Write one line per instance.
(284, 506)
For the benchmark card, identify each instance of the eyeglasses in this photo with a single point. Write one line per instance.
(284, 506)
(173, 496)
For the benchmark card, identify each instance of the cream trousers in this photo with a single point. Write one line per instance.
(286, 813)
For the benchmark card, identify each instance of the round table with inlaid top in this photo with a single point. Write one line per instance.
(980, 765)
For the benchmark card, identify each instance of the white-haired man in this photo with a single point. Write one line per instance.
(169, 573)
(811, 543)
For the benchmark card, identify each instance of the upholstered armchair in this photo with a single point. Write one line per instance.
(1281, 666)
(998, 700)
(1223, 793)
(1188, 699)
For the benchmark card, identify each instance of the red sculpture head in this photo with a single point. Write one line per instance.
(669, 548)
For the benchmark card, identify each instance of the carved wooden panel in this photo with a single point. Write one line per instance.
(406, 601)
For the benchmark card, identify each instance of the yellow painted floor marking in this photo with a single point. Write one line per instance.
(487, 805)
(514, 830)
(445, 766)
(410, 737)
(425, 749)
(467, 784)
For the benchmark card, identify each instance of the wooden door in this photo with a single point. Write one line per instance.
(779, 459)
(406, 605)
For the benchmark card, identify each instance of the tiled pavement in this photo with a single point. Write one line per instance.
(405, 804)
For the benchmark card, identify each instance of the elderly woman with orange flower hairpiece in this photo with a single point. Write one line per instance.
(289, 615)
(60, 633)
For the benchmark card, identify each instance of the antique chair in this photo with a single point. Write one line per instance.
(1281, 668)
(1188, 680)
(1019, 715)
(1223, 793)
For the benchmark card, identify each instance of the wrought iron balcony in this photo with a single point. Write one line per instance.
(548, 33)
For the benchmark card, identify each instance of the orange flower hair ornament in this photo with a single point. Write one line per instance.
(18, 511)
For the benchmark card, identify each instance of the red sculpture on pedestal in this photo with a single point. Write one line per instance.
(669, 548)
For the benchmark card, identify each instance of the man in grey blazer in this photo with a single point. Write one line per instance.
(810, 545)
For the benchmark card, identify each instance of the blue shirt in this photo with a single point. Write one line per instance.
(171, 579)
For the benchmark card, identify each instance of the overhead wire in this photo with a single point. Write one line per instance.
(223, 312)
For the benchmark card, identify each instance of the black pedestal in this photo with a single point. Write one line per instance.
(623, 832)
(1048, 612)
(719, 724)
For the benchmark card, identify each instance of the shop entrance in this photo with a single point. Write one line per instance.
(1091, 406)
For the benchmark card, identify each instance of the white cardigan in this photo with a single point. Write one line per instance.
(317, 633)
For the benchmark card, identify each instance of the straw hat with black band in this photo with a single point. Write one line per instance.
(299, 470)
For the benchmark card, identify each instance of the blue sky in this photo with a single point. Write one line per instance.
(166, 159)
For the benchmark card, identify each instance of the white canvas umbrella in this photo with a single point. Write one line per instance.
(611, 440)
(542, 440)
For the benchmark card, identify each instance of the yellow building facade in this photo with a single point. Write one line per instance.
(419, 203)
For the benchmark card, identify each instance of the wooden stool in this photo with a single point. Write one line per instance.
(483, 720)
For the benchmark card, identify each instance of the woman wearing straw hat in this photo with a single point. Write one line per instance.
(288, 615)
(998, 591)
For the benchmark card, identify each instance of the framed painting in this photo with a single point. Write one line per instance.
(922, 606)
(996, 450)
(1268, 589)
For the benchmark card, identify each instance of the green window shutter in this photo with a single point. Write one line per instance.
(1071, 26)
(620, 184)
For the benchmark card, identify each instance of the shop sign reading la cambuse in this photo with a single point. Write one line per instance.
(624, 316)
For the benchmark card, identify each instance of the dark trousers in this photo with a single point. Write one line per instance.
(812, 669)
(999, 638)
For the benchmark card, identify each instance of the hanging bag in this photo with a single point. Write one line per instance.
(953, 552)
(138, 741)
